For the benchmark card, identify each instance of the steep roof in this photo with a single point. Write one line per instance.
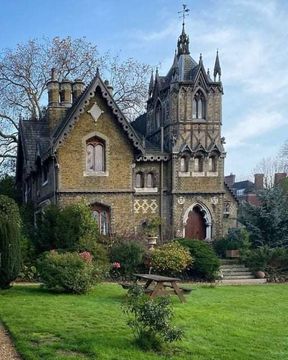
(73, 115)
(34, 136)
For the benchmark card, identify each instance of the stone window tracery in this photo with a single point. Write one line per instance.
(199, 106)
(101, 215)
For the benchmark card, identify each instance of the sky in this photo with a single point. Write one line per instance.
(251, 35)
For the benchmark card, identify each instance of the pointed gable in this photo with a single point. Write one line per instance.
(79, 108)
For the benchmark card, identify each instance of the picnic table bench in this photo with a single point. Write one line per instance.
(160, 285)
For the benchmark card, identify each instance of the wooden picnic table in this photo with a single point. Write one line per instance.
(160, 285)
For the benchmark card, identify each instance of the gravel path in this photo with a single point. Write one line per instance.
(7, 350)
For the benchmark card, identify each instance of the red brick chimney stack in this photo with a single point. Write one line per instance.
(259, 181)
(278, 177)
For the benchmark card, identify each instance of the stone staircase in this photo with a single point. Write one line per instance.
(238, 274)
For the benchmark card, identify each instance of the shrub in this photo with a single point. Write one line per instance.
(67, 272)
(171, 258)
(205, 262)
(10, 234)
(274, 262)
(71, 228)
(150, 319)
(129, 255)
(236, 239)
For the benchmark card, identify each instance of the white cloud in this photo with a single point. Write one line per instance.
(252, 126)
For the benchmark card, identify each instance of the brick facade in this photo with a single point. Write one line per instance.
(172, 132)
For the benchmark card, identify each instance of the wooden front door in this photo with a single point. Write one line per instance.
(195, 226)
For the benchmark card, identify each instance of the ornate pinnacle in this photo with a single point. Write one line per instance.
(217, 68)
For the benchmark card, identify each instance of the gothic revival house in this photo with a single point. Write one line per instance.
(168, 163)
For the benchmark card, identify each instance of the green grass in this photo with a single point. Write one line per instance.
(239, 323)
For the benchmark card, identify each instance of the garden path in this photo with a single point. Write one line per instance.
(7, 350)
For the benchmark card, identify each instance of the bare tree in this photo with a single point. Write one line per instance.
(269, 166)
(24, 72)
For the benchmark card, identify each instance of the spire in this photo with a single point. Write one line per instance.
(217, 68)
(183, 40)
(200, 59)
(175, 62)
(156, 75)
(151, 84)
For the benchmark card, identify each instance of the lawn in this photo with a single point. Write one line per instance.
(228, 322)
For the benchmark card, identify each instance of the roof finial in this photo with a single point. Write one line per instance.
(217, 68)
(183, 41)
(200, 58)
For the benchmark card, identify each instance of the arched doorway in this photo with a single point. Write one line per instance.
(197, 222)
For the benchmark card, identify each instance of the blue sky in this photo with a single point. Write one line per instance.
(252, 37)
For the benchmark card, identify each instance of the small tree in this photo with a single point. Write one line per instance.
(150, 319)
(10, 233)
(267, 224)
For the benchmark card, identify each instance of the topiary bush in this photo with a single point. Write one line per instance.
(205, 262)
(150, 319)
(10, 234)
(129, 256)
(70, 272)
(170, 259)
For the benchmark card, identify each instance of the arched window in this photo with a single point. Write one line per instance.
(101, 215)
(199, 106)
(198, 164)
(184, 164)
(139, 180)
(158, 116)
(95, 154)
(150, 180)
(212, 164)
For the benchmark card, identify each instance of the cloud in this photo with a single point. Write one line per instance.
(252, 126)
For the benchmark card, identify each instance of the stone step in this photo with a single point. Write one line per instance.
(238, 266)
(239, 277)
(242, 281)
(237, 273)
(234, 269)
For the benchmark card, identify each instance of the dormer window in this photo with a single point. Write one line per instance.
(199, 106)
(95, 155)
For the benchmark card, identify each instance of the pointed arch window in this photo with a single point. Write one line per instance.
(95, 155)
(158, 116)
(199, 106)
(198, 164)
(101, 214)
(212, 164)
(184, 164)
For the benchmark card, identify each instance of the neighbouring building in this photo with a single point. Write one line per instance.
(168, 163)
(246, 190)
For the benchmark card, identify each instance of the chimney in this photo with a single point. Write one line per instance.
(77, 89)
(259, 181)
(278, 177)
(66, 93)
(53, 89)
(230, 180)
(109, 87)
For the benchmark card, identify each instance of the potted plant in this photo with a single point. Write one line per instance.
(151, 230)
(233, 249)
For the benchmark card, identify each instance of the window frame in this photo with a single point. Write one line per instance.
(199, 100)
(95, 141)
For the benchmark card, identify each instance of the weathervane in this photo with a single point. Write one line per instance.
(184, 13)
